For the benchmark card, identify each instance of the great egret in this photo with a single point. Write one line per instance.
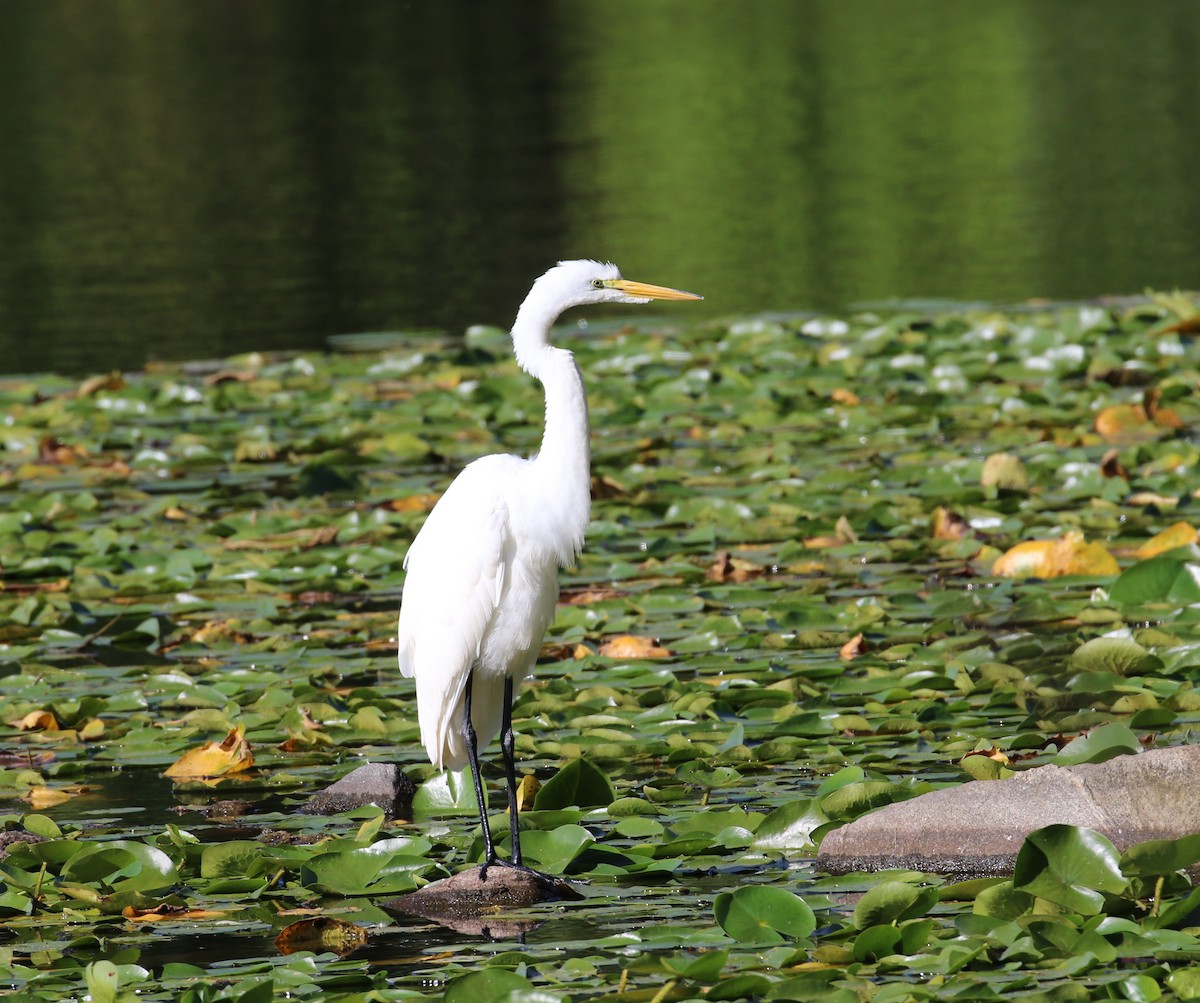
(482, 574)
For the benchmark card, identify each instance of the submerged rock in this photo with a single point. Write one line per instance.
(978, 827)
(380, 784)
(471, 903)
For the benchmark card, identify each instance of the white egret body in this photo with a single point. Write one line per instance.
(482, 574)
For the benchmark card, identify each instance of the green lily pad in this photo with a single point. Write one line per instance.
(763, 915)
(1069, 866)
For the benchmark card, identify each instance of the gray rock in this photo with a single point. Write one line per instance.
(380, 784)
(978, 827)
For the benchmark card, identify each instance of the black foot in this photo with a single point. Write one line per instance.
(507, 865)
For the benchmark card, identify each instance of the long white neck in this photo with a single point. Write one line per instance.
(561, 471)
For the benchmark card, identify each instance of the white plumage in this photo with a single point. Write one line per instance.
(482, 574)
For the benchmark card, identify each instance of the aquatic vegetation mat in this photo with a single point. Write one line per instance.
(834, 562)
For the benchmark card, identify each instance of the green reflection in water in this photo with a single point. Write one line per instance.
(184, 180)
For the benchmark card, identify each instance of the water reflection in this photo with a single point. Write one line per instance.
(199, 179)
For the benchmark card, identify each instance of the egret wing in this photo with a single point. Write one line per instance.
(457, 568)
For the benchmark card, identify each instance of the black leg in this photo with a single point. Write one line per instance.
(489, 848)
(508, 745)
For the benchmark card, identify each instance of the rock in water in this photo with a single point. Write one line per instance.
(380, 784)
(470, 903)
(978, 827)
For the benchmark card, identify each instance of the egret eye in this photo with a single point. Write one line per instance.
(597, 283)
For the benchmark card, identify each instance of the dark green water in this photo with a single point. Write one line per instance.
(195, 179)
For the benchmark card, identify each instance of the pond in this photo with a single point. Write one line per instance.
(196, 180)
(789, 611)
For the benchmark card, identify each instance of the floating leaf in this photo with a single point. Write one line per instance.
(629, 646)
(446, 793)
(891, 901)
(579, 783)
(215, 759)
(1069, 866)
(1164, 578)
(1121, 656)
(319, 934)
(1161, 856)
(1003, 470)
(762, 914)
(1099, 745)
(1070, 554)
(1179, 534)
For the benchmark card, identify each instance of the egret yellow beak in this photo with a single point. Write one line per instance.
(643, 290)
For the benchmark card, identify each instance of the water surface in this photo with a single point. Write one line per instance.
(183, 180)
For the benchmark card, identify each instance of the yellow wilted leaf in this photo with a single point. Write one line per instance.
(526, 791)
(1178, 535)
(94, 384)
(91, 730)
(1068, 555)
(1003, 470)
(214, 759)
(45, 797)
(948, 525)
(293, 539)
(1125, 423)
(727, 568)
(320, 934)
(845, 532)
(37, 720)
(629, 646)
(168, 911)
(852, 648)
(412, 503)
(841, 395)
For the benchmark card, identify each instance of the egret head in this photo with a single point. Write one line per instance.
(573, 283)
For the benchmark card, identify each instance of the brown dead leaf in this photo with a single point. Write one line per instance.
(604, 487)
(630, 646)
(1163, 417)
(214, 759)
(52, 450)
(1186, 325)
(994, 754)
(1178, 535)
(565, 652)
(295, 539)
(173, 513)
(221, 632)
(948, 525)
(587, 596)
(25, 760)
(727, 568)
(320, 934)
(856, 646)
(845, 532)
(94, 384)
(27, 588)
(1070, 554)
(230, 376)
(1110, 465)
(1146, 499)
